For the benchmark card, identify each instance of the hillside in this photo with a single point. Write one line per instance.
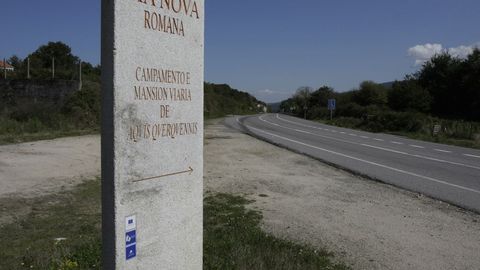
(221, 100)
(274, 107)
(77, 113)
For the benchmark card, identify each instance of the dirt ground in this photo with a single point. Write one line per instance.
(31, 170)
(366, 224)
(35, 168)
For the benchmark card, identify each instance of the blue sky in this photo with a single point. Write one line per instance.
(271, 47)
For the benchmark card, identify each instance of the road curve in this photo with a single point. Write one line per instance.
(445, 172)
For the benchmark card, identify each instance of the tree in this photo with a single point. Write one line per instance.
(441, 77)
(288, 105)
(318, 102)
(302, 99)
(408, 95)
(66, 64)
(90, 72)
(371, 93)
(471, 85)
(16, 62)
(321, 96)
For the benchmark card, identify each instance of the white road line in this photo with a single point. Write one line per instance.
(417, 146)
(468, 155)
(365, 137)
(298, 124)
(443, 151)
(380, 140)
(420, 156)
(343, 132)
(351, 134)
(448, 162)
(334, 131)
(394, 142)
(369, 162)
(302, 131)
(385, 149)
(380, 148)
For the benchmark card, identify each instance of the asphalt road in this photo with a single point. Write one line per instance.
(445, 172)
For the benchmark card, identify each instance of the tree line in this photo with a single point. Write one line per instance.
(81, 110)
(57, 56)
(445, 92)
(445, 87)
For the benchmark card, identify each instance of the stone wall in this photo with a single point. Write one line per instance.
(51, 91)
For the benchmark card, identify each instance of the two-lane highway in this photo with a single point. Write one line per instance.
(445, 172)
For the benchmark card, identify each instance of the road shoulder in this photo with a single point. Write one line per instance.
(370, 225)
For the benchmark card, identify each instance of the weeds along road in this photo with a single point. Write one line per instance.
(448, 173)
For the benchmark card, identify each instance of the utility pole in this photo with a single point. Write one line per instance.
(28, 68)
(80, 77)
(4, 68)
(53, 68)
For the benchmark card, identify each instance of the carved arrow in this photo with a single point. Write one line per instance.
(190, 170)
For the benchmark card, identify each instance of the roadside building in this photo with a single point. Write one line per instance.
(5, 65)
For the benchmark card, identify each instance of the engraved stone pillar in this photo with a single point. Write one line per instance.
(152, 133)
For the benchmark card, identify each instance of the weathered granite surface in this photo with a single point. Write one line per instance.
(152, 137)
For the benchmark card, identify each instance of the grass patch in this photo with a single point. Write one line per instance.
(233, 239)
(43, 135)
(63, 231)
(424, 134)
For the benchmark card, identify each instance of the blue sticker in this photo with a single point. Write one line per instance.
(130, 238)
(131, 252)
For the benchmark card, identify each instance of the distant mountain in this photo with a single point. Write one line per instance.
(221, 100)
(388, 85)
(274, 107)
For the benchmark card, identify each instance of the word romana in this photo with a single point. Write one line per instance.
(159, 21)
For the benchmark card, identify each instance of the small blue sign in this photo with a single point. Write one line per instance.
(332, 104)
(131, 252)
(130, 237)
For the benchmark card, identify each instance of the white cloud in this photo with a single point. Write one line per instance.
(423, 53)
(461, 51)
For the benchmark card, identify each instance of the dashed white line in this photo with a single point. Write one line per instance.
(394, 142)
(334, 131)
(446, 161)
(417, 146)
(385, 149)
(474, 156)
(303, 131)
(377, 139)
(420, 156)
(443, 151)
(351, 134)
(369, 162)
(343, 132)
(365, 137)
